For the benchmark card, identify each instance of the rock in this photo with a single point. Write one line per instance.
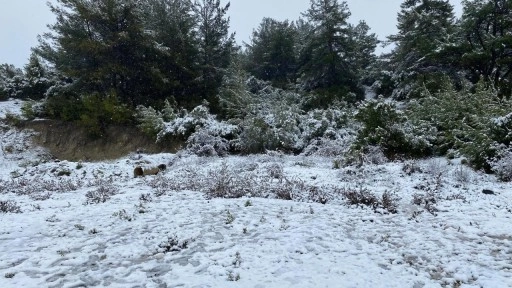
(488, 192)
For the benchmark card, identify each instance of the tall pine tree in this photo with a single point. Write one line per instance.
(486, 26)
(333, 56)
(172, 25)
(272, 52)
(216, 47)
(424, 28)
(103, 46)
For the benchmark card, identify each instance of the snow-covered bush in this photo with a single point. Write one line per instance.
(501, 164)
(150, 120)
(386, 126)
(214, 139)
(465, 122)
(187, 122)
(9, 206)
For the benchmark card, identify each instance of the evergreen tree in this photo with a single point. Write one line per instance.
(38, 78)
(272, 52)
(364, 47)
(173, 28)
(103, 46)
(424, 28)
(335, 51)
(216, 47)
(487, 28)
(10, 80)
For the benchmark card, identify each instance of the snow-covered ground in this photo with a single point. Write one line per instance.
(169, 231)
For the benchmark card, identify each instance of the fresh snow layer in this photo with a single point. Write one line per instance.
(173, 237)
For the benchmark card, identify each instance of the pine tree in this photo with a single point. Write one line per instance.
(173, 29)
(486, 25)
(103, 46)
(364, 47)
(333, 56)
(272, 52)
(424, 28)
(38, 78)
(10, 80)
(216, 47)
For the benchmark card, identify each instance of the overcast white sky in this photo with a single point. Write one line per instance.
(22, 20)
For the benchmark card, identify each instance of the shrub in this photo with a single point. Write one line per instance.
(105, 189)
(102, 110)
(362, 196)
(386, 126)
(9, 206)
(470, 123)
(172, 244)
(150, 120)
(214, 139)
(501, 164)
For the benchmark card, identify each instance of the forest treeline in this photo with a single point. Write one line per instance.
(148, 62)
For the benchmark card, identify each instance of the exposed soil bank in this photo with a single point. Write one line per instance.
(67, 141)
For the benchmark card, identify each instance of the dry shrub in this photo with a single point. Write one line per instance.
(104, 191)
(364, 197)
(9, 206)
(361, 196)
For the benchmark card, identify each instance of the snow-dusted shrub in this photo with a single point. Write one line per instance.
(427, 200)
(213, 139)
(172, 244)
(187, 122)
(469, 123)
(104, 191)
(226, 183)
(462, 174)
(328, 132)
(389, 202)
(501, 164)
(9, 206)
(152, 121)
(256, 136)
(361, 196)
(386, 126)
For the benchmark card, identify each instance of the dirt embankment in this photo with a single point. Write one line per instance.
(67, 141)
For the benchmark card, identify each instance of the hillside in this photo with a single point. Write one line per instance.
(91, 224)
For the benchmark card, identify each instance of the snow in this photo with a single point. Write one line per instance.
(163, 230)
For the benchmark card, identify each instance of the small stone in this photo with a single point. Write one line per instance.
(488, 192)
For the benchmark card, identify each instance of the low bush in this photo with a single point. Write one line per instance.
(388, 202)
(9, 206)
(388, 127)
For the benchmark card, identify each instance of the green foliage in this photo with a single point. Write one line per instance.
(216, 47)
(150, 120)
(235, 100)
(386, 126)
(425, 29)
(464, 121)
(256, 136)
(335, 52)
(487, 28)
(64, 105)
(272, 53)
(27, 110)
(100, 111)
